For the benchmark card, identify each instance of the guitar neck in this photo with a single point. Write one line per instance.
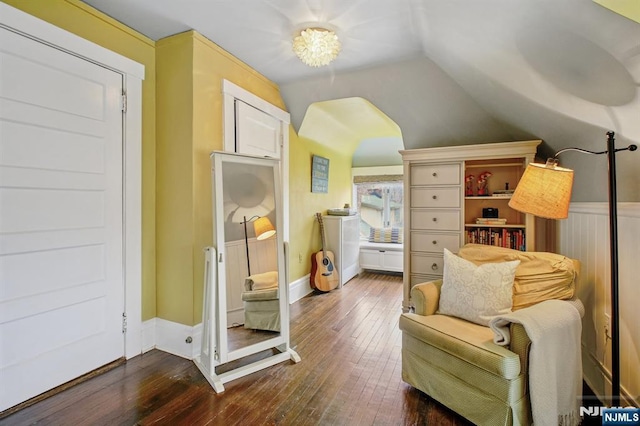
(319, 216)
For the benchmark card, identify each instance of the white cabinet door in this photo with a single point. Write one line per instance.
(61, 231)
(257, 133)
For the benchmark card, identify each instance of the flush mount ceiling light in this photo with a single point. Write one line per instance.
(316, 47)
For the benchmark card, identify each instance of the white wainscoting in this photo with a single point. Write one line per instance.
(585, 236)
(263, 258)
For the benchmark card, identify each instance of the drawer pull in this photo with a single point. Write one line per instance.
(434, 242)
(434, 266)
(382, 251)
(435, 219)
(435, 197)
(434, 174)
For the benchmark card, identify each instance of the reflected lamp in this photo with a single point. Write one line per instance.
(263, 229)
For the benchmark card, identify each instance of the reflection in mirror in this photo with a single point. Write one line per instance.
(246, 303)
(253, 311)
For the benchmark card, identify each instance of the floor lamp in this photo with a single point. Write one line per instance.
(263, 229)
(545, 191)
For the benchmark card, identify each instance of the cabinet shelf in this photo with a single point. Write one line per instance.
(492, 165)
(476, 225)
(489, 197)
(439, 215)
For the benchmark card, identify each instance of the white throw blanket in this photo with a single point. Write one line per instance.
(555, 359)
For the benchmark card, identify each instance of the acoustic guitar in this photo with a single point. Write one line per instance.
(324, 276)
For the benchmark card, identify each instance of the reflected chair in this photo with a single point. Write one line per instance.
(261, 302)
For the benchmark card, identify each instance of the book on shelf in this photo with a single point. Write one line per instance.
(491, 221)
(509, 238)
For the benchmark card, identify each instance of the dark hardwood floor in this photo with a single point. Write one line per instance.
(349, 342)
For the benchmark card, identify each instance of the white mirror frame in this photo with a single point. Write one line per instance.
(215, 350)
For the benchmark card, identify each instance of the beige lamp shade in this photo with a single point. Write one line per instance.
(544, 190)
(263, 228)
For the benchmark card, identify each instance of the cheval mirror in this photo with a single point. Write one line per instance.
(246, 299)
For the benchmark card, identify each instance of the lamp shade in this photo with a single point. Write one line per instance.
(263, 228)
(544, 190)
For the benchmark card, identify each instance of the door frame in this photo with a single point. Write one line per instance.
(132, 73)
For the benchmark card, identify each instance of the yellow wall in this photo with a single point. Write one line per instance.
(303, 204)
(627, 8)
(212, 65)
(174, 195)
(86, 22)
(190, 74)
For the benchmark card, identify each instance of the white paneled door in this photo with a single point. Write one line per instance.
(61, 217)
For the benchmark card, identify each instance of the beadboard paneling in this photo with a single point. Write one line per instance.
(263, 258)
(585, 236)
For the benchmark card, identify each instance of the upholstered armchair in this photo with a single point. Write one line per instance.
(459, 362)
(261, 302)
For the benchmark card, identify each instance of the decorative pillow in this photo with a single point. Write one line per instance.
(540, 275)
(476, 293)
(385, 235)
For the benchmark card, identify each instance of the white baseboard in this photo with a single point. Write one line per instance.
(149, 335)
(171, 337)
(299, 288)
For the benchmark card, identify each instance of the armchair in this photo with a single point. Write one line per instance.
(456, 361)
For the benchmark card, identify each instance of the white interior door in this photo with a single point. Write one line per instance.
(61, 215)
(257, 133)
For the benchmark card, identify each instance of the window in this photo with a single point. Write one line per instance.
(379, 205)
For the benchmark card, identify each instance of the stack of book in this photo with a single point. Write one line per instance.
(491, 221)
(504, 193)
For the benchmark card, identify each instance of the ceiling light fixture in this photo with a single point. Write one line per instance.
(316, 47)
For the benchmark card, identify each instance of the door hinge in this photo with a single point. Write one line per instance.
(124, 102)
(124, 322)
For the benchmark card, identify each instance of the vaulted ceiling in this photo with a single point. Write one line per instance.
(447, 72)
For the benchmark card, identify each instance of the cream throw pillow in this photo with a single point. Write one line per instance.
(476, 293)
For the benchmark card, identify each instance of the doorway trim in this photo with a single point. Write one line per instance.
(230, 93)
(132, 73)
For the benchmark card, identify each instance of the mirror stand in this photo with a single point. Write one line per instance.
(208, 359)
(245, 312)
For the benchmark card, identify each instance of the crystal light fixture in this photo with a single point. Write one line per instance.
(316, 47)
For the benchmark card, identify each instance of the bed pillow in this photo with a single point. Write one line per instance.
(476, 293)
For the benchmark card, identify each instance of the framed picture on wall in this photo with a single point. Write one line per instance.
(319, 174)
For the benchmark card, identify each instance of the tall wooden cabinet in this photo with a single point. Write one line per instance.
(443, 204)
